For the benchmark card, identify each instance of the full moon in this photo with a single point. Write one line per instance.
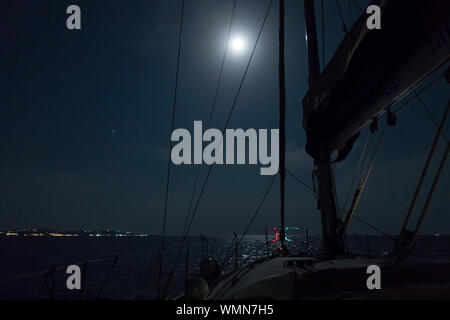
(238, 44)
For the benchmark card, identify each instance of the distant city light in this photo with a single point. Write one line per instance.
(85, 233)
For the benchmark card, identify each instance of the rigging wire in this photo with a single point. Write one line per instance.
(261, 202)
(180, 33)
(169, 279)
(377, 150)
(51, 272)
(282, 123)
(342, 209)
(349, 12)
(374, 228)
(358, 6)
(63, 267)
(428, 112)
(366, 163)
(223, 63)
(358, 166)
(209, 171)
(146, 282)
(364, 178)
(362, 185)
(433, 187)
(408, 102)
(368, 169)
(108, 275)
(219, 80)
(50, 287)
(426, 167)
(323, 34)
(299, 180)
(333, 177)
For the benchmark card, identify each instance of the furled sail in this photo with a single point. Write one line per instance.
(372, 69)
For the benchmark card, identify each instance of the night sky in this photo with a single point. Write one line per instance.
(85, 119)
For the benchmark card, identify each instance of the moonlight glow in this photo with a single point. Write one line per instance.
(238, 44)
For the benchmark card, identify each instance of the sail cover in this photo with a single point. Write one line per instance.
(372, 69)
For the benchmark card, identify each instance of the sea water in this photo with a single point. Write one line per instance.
(134, 277)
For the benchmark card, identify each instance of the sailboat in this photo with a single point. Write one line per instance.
(370, 72)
